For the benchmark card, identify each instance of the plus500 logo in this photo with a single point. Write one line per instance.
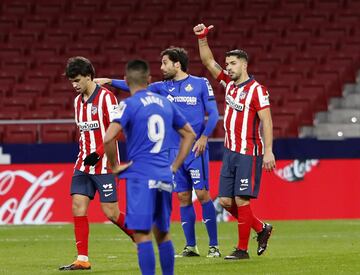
(88, 125)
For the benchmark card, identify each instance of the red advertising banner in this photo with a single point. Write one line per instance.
(311, 189)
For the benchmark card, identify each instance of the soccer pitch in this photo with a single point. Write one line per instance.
(296, 247)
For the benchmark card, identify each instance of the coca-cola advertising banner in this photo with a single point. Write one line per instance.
(297, 189)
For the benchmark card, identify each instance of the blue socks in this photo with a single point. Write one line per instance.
(209, 219)
(187, 214)
(167, 259)
(146, 258)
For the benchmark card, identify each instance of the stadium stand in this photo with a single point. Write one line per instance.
(304, 51)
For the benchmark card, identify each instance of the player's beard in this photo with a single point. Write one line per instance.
(168, 75)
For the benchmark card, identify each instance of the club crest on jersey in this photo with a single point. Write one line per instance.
(94, 109)
(237, 106)
(189, 88)
(242, 95)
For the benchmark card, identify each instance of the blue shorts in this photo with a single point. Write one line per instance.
(148, 202)
(85, 184)
(193, 173)
(240, 175)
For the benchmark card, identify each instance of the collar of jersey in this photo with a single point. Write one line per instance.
(251, 78)
(180, 80)
(93, 95)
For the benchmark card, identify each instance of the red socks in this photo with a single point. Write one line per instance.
(244, 226)
(121, 224)
(81, 229)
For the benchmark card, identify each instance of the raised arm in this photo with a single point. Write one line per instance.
(116, 83)
(206, 56)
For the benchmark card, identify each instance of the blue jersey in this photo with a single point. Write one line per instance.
(193, 96)
(148, 120)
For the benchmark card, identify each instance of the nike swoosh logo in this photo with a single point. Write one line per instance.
(196, 182)
(242, 189)
(183, 223)
(109, 194)
(205, 221)
(172, 89)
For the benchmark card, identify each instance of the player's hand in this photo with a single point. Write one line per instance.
(269, 161)
(201, 30)
(120, 168)
(200, 145)
(102, 81)
(91, 159)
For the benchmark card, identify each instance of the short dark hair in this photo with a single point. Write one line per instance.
(238, 53)
(79, 65)
(137, 72)
(177, 55)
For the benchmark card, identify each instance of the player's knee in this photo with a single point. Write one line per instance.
(203, 196)
(225, 202)
(110, 212)
(78, 209)
(184, 198)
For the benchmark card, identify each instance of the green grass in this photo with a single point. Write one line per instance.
(296, 247)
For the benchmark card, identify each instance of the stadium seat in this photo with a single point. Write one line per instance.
(57, 37)
(17, 64)
(23, 37)
(19, 8)
(10, 51)
(306, 60)
(65, 114)
(52, 103)
(85, 7)
(328, 4)
(314, 17)
(41, 77)
(301, 32)
(82, 49)
(20, 134)
(105, 21)
(280, 19)
(36, 23)
(294, 5)
(44, 114)
(286, 124)
(57, 133)
(120, 7)
(71, 21)
(267, 32)
(10, 114)
(28, 91)
(52, 8)
(219, 131)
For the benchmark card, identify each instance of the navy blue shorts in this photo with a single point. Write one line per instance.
(193, 173)
(85, 184)
(148, 202)
(240, 175)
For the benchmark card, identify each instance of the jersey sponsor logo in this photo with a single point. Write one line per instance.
(88, 125)
(210, 89)
(189, 88)
(189, 100)
(94, 109)
(170, 98)
(237, 106)
(195, 174)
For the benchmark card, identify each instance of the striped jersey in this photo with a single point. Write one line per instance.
(241, 122)
(93, 117)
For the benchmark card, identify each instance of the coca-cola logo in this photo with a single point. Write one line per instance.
(296, 170)
(31, 208)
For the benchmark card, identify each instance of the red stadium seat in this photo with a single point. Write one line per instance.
(93, 35)
(328, 4)
(57, 133)
(294, 5)
(120, 7)
(280, 19)
(23, 37)
(28, 90)
(270, 60)
(17, 64)
(10, 51)
(65, 114)
(53, 8)
(292, 74)
(57, 36)
(285, 122)
(347, 17)
(267, 32)
(10, 76)
(8, 23)
(314, 17)
(301, 32)
(219, 131)
(320, 46)
(11, 114)
(51, 103)
(37, 114)
(37, 23)
(20, 134)
(41, 77)
(82, 49)
(16, 8)
(85, 7)
(336, 31)
(307, 60)
(73, 22)
(105, 21)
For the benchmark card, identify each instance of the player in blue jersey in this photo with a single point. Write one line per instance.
(194, 98)
(146, 119)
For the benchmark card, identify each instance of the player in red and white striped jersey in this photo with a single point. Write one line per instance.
(95, 107)
(245, 154)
